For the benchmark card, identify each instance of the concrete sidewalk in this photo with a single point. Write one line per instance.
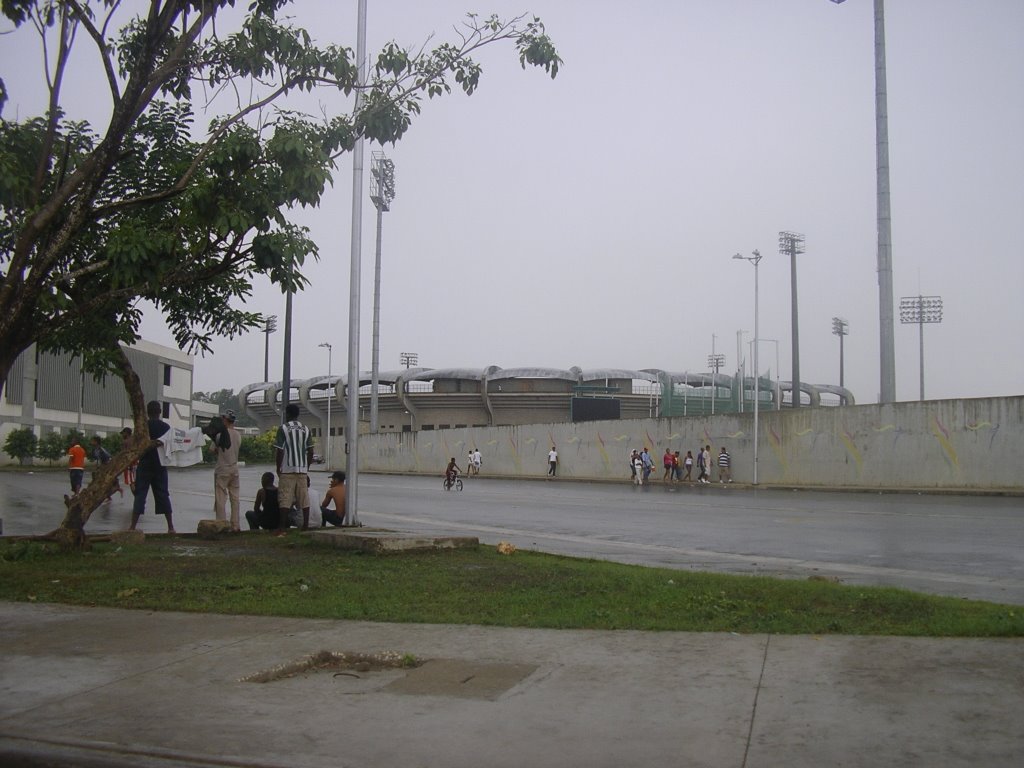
(103, 687)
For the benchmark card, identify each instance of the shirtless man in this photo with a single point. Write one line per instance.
(335, 493)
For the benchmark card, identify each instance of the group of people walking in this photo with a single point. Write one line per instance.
(679, 468)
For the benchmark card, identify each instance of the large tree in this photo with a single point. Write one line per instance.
(152, 205)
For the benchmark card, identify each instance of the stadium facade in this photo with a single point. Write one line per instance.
(422, 399)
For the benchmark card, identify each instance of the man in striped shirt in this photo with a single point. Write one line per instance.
(724, 470)
(294, 455)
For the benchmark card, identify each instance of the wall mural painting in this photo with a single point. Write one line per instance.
(942, 435)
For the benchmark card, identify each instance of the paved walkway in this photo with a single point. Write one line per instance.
(103, 687)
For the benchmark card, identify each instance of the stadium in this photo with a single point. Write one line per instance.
(422, 399)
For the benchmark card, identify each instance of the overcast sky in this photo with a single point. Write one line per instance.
(590, 220)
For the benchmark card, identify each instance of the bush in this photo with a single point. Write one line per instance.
(21, 444)
(51, 447)
(258, 449)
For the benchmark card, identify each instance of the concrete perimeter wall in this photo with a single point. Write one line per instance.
(973, 444)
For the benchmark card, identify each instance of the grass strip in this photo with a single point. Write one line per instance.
(294, 576)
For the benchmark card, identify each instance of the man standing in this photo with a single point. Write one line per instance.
(724, 460)
(294, 454)
(151, 473)
(225, 474)
(648, 463)
(706, 456)
(478, 461)
(552, 461)
(76, 465)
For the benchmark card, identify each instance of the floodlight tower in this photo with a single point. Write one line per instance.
(887, 344)
(791, 244)
(408, 359)
(840, 328)
(269, 326)
(382, 192)
(921, 310)
(715, 363)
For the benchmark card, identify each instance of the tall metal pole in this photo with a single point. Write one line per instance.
(715, 363)
(887, 345)
(382, 191)
(352, 395)
(921, 310)
(920, 336)
(840, 328)
(842, 382)
(270, 325)
(757, 370)
(791, 244)
(755, 259)
(286, 373)
(330, 397)
(885, 296)
(375, 359)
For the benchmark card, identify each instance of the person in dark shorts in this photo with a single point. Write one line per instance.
(266, 511)
(151, 473)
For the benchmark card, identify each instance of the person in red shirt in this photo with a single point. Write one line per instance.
(666, 461)
(76, 466)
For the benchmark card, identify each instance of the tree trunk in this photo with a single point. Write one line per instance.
(71, 533)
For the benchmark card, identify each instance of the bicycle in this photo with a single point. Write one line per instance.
(453, 483)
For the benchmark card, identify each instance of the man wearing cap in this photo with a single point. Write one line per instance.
(335, 493)
(225, 474)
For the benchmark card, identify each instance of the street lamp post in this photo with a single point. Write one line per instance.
(382, 192)
(270, 325)
(921, 310)
(354, 280)
(755, 259)
(330, 397)
(840, 328)
(887, 367)
(791, 244)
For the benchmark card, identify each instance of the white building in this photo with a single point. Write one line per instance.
(49, 392)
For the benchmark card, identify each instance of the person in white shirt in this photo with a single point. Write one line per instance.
(552, 461)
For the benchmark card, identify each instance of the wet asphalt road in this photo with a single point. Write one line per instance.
(966, 546)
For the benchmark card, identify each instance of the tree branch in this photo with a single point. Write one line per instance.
(101, 44)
